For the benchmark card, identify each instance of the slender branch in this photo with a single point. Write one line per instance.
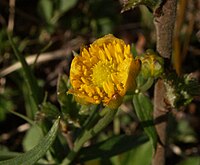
(11, 16)
(44, 57)
(164, 29)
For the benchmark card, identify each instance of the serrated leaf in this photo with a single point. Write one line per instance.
(111, 147)
(151, 4)
(32, 156)
(144, 110)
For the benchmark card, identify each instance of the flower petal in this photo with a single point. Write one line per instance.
(104, 72)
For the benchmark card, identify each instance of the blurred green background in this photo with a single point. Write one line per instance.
(47, 31)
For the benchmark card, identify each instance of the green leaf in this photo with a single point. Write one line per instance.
(45, 8)
(66, 5)
(37, 152)
(191, 161)
(29, 102)
(32, 137)
(8, 155)
(144, 110)
(23, 117)
(89, 132)
(185, 132)
(29, 78)
(141, 154)
(151, 4)
(111, 147)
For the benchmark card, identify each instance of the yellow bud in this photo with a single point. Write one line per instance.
(152, 64)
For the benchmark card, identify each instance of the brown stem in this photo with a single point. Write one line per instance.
(160, 117)
(164, 28)
(164, 24)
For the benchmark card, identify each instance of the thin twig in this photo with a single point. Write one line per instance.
(44, 57)
(11, 16)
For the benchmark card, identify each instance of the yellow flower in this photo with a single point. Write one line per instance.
(104, 72)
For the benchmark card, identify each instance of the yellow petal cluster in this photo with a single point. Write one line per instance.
(104, 72)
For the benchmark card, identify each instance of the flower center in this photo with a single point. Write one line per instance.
(101, 73)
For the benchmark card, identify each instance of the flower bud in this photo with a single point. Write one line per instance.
(152, 64)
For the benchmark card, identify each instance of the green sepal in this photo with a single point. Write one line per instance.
(152, 65)
(48, 111)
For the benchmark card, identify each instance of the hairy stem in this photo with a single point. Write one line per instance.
(164, 30)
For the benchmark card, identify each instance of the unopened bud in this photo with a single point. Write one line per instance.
(152, 64)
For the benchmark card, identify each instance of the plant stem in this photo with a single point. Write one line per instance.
(160, 118)
(147, 84)
(107, 117)
(164, 24)
(164, 28)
